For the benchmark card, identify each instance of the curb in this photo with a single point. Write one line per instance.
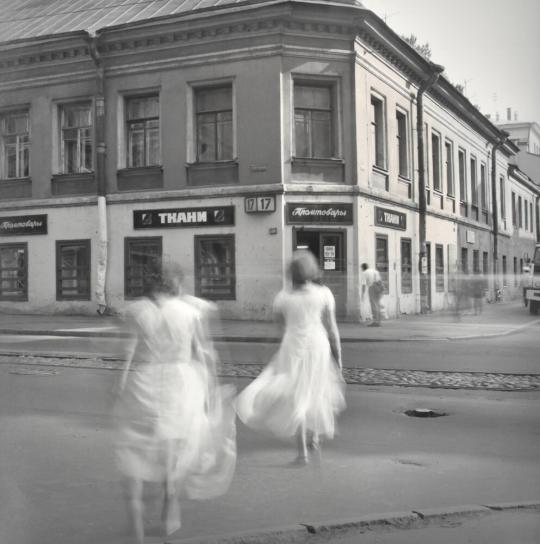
(318, 532)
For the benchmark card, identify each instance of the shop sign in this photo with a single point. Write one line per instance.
(260, 204)
(390, 218)
(320, 213)
(23, 224)
(183, 217)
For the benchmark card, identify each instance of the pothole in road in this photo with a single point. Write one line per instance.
(424, 412)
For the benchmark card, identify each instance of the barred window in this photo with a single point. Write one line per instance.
(13, 272)
(73, 270)
(215, 273)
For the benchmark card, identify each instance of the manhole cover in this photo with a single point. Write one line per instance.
(424, 412)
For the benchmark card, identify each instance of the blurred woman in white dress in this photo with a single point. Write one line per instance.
(301, 390)
(176, 424)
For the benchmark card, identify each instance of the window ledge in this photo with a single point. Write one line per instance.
(379, 169)
(139, 170)
(404, 179)
(317, 160)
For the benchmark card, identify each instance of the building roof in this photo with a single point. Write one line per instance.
(25, 19)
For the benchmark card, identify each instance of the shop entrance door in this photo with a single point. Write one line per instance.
(328, 246)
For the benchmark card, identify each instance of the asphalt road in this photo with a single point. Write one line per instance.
(517, 353)
(59, 484)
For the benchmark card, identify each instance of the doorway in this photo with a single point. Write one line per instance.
(328, 246)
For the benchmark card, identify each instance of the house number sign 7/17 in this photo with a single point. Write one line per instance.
(260, 204)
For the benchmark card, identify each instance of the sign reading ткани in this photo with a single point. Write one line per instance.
(23, 224)
(183, 217)
(390, 218)
(320, 213)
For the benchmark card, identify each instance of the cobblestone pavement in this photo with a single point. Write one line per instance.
(39, 365)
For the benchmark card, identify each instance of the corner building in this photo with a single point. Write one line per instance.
(224, 135)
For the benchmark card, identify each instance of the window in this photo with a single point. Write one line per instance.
(214, 120)
(215, 271)
(504, 271)
(464, 260)
(439, 267)
(142, 265)
(516, 282)
(474, 188)
(462, 168)
(502, 196)
(73, 270)
(485, 263)
(403, 143)
(514, 215)
(476, 261)
(526, 210)
(406, 266)
(531, 217)
(378, 132)
(76, 148)
(436, 161)
(483, 190)
(13, 272)
(15, 157)
(449, 167)
(381, 258)
(142, 123)
(520, 212)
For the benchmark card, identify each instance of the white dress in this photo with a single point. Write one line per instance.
(171, 402)
(301, 384)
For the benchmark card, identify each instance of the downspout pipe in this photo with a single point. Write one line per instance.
(495, 211)
(426, 85)
(99, 139)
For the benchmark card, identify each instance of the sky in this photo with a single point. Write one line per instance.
(492, 47)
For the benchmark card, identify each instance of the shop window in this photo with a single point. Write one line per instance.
(15, 145)
(476, 261)
(406, 266)
(436, 161)
(439, 267)
(403, 143)
(485, 263)
(381, 258)
(73, 270)
(516, 279)
(314, 121)
(474, 189)
(142, 264)
(76, 147)
(214, 123)
(462, 171)
(378, 132)
(142, 128)
(464, 260)
(215, 273)
(13, 272)
(449, 167)
(504, 271)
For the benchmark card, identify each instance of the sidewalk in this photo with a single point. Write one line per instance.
(496, 320)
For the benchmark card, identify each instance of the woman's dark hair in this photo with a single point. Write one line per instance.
(304, 268)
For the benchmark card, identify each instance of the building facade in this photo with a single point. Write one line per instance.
(224, 135)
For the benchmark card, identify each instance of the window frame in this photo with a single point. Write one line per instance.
(199, 290)
(22, 145)
(129, 241)
(436, 161)
(385, 270)
(23, 296)
(141, 120)
(520, 212)
(333, 87)
(439, 268)
(406, 281)
(86, 294)
(403, 145)
(61, 153)
(502, 197)
(378, 132)
(514, 213)
(463, 181)
(449, 167)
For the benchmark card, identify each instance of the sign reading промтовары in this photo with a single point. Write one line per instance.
(23, 224)
(326, 213)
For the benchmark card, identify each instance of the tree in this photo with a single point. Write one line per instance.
(423, 49)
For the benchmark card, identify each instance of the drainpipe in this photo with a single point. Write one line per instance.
(436, 70)
(103, 239)
(495, 213)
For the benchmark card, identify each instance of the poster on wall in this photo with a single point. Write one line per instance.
(23, 224)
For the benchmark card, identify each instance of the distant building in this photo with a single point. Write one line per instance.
(224, 134)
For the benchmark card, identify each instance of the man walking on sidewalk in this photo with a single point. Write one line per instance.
(371, 279)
